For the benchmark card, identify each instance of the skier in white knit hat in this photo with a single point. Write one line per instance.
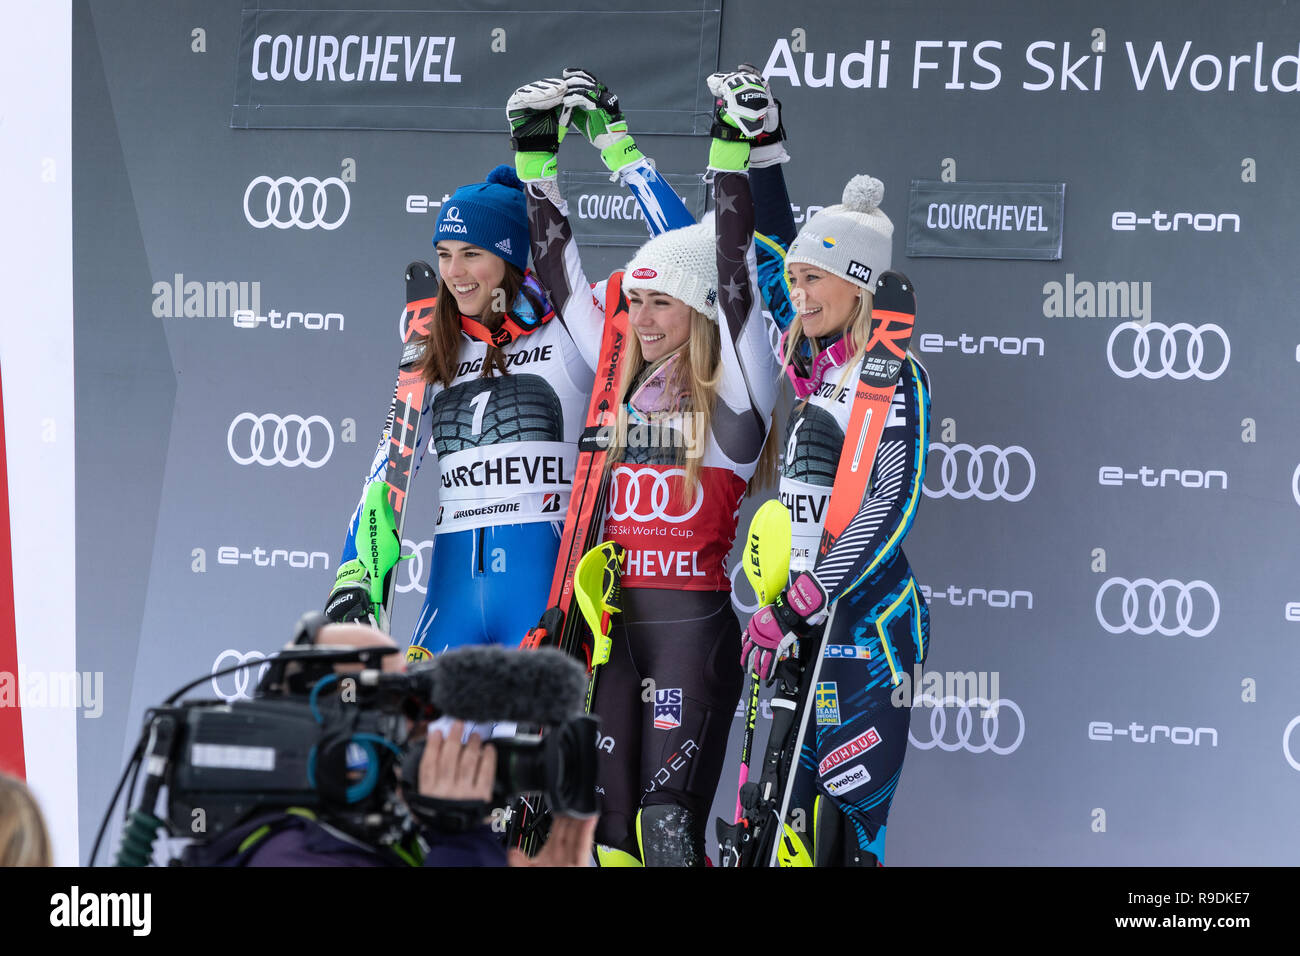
(694, 416)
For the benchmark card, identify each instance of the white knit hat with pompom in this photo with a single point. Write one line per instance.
(853, 239)
(682, 263)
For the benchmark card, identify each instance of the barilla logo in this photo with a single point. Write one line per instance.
(645, 274)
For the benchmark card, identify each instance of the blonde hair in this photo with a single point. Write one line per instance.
(858, 329)
(23, 837)
(697, 378)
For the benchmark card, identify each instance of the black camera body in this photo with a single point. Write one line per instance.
(337, 744)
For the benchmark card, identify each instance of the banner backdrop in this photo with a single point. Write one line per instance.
(1112, 491)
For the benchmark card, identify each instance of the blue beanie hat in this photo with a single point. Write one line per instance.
(492, 215)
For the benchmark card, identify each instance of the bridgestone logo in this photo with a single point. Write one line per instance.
(488, 510)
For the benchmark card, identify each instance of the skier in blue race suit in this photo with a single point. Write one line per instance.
(502, 422)
(818, 287)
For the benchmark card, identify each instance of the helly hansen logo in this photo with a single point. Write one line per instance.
(858, 271)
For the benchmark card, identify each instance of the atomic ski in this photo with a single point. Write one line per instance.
(765, 805)
(583, 522)
(376, 539)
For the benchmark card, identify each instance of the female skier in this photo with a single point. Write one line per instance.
(851, 759)
(511, 378)
(696, 401)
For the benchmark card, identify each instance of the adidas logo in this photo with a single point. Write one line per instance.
(504, 246)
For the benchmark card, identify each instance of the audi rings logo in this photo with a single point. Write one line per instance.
(645, 494)
(991, 725)
(1286, 743)
(1145, 609)
(313, 440)
(1295, 484)
(412, 566)
(1159, 350)
(240, 684)
(964, 471)
(282, 202)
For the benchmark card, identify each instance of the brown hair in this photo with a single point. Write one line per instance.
(23, 837)
(442, 347)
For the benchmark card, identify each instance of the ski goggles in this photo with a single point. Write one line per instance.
(522, 319)
(805, 380)
(657, 394)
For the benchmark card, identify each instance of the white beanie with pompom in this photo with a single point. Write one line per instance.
(852, 239)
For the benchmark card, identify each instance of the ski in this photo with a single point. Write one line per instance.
(894, 315)
(382, 533)
(767, 566)
(583, 524)
(584, 519)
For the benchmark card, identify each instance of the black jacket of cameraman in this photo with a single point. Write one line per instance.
(297, 838)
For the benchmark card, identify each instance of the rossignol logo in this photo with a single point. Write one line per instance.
(970, 345)
(1128, 221)
(204, 300)
(275, 557)
(1113, 476)
(317, 58)
(508, 471)
(980, 597)
(538, 353)
(507, 507)
(1101, 299)
(1103, 730)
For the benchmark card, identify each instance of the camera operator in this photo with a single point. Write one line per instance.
(454, 772)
